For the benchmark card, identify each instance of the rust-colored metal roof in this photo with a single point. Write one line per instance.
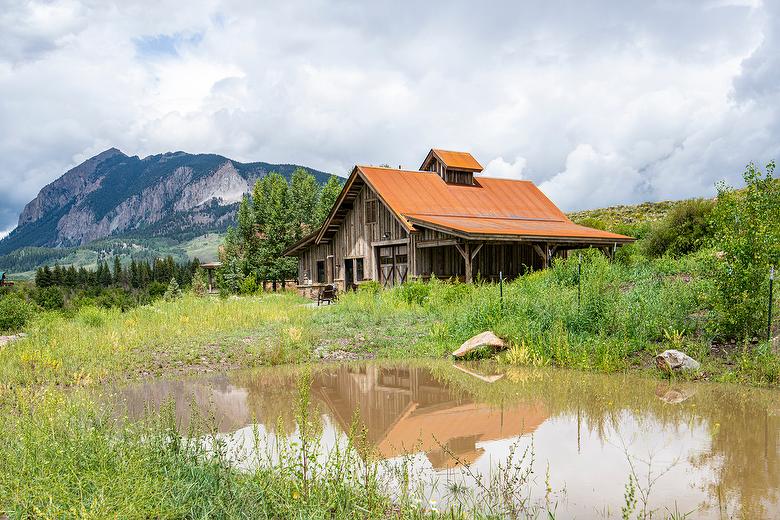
(456, 160)
(515, 208)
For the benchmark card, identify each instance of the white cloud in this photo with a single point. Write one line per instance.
(600, 103)
(501, 169)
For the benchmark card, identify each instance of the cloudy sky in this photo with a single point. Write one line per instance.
(604, 103)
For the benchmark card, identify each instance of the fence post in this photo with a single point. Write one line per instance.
(769, 320)
(579, 279)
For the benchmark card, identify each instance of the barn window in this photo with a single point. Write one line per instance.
(320, 271)
(358, 269)
(371, 211)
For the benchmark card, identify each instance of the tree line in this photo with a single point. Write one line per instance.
(276, 215)
(136, 275)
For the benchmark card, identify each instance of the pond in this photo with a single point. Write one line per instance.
(574, 439)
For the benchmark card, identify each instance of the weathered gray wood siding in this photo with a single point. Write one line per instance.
(355, 238)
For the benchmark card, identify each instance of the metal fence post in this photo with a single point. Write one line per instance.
(769, 320)
(579, 284)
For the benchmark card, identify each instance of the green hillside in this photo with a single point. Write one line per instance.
(23, 262)
(625, 216)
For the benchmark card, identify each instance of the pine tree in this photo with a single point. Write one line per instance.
(118, 276)
(173, 292)
(199, 284)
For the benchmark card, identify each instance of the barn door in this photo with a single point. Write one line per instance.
(393, 265)
(386, 266)
(401, 264)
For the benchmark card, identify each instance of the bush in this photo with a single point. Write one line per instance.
(685, 229)
(747, 238)
(50, 298)
(156, 290)
(414, 292)
(249, 285)
(115, 298)
(91, 316)
(15, 312)
(370, 286)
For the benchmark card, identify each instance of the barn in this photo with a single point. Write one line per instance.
(444, 220)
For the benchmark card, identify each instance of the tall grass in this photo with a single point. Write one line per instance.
(190, 332)
(623, 310)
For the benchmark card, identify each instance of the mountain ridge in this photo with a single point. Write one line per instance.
(113, 194)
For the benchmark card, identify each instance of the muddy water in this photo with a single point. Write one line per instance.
(713, 450)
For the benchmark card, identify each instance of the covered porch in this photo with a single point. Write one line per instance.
(469, 260)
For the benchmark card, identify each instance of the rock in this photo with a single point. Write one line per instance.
(485, 339)
(8, 339)
(674, 360)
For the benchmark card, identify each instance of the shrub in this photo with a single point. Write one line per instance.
(414, 292)
(747, 238)
(50, 298)
(370, 286)
(15, 312)
(249, 285)
(685, 229)
(115, 298)
(91, 316)
(156, 290)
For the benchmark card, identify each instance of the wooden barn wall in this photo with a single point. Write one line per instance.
(354, 239)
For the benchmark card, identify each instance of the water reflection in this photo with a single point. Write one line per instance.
(713, 449)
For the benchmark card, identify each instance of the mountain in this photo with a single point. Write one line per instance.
(168, 195)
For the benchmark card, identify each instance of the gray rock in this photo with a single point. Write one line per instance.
(674, 360)
(8, 339)
(485, 339)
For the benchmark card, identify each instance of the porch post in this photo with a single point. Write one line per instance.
(467, 258)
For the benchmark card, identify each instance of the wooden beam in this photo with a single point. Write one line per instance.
(397, 242)
(468, 259)
(476, 250)
(539, 251)
(461, 250)
(438, 243)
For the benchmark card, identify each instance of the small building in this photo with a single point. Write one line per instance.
(443, 220)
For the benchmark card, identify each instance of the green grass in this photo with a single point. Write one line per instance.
(187, 334)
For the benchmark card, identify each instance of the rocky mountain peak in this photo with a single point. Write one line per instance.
(114, 194)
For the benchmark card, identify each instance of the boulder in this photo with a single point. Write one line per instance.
(674, 360)
(485, 339)
(9, 339)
